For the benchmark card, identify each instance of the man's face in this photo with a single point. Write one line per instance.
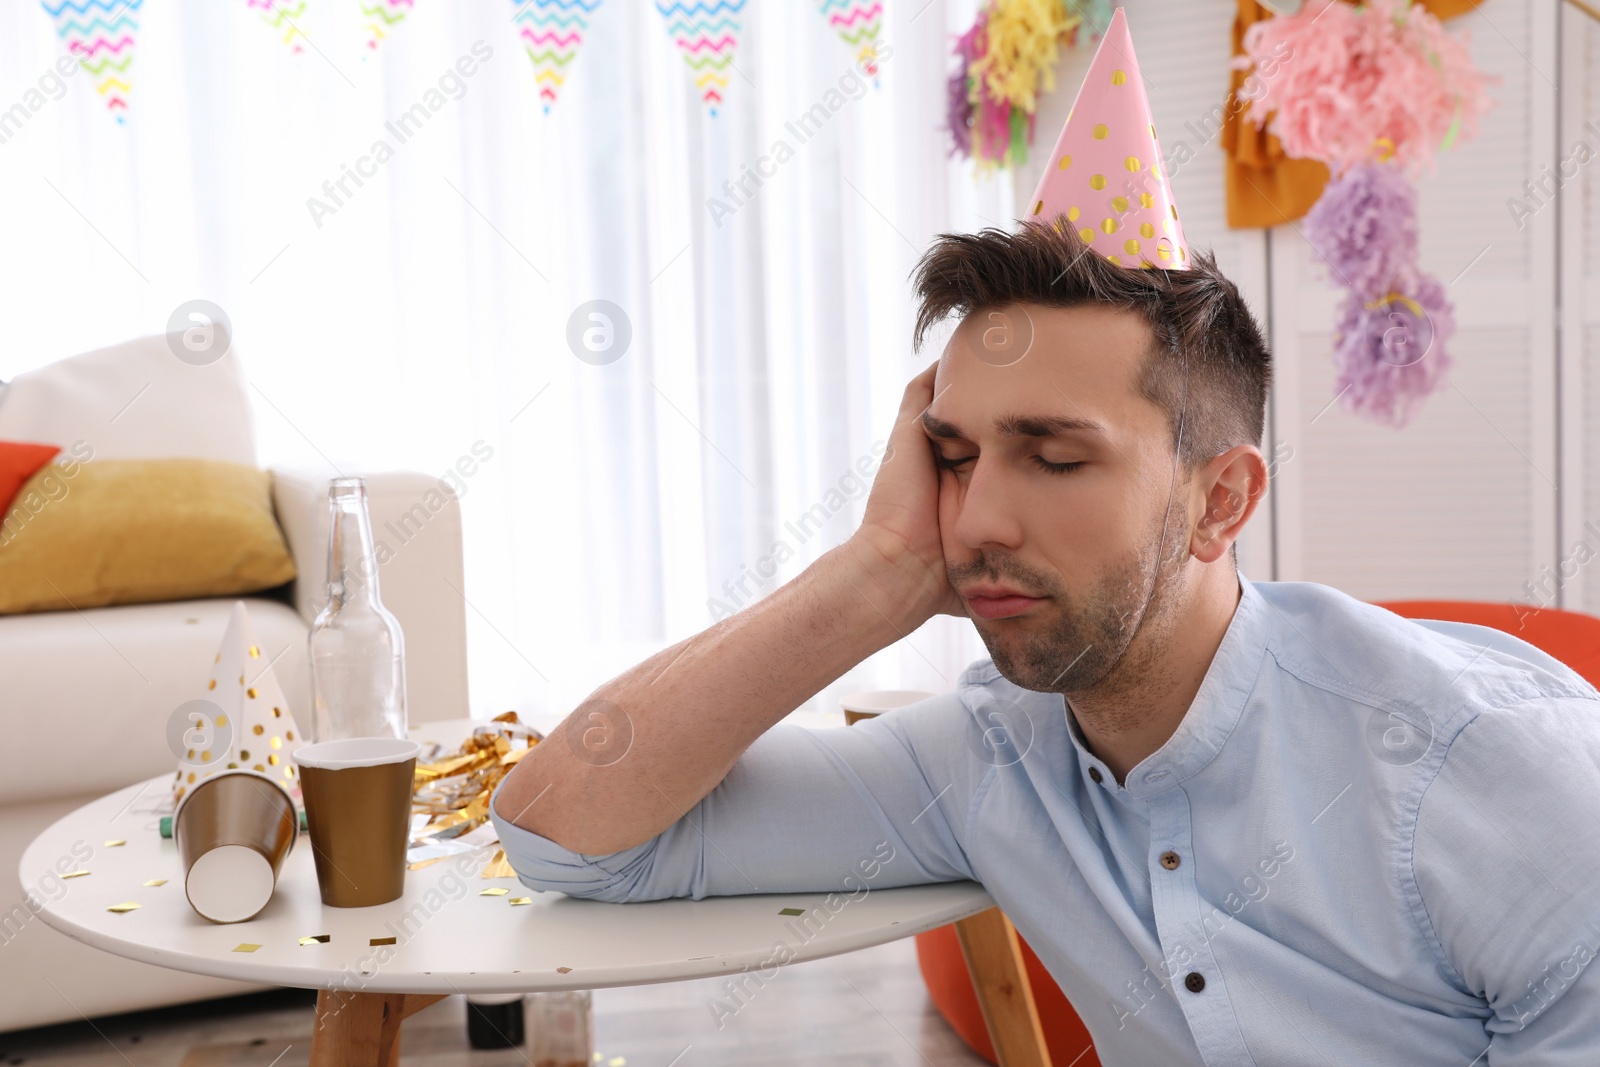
(1054, 480)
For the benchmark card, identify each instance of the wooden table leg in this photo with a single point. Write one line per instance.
(362, 1029)
(994, 959)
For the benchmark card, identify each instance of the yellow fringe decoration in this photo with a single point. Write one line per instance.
(1024, 38)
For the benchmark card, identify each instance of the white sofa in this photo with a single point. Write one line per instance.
(85, 695)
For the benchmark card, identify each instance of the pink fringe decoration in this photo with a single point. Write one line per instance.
(1349, 84)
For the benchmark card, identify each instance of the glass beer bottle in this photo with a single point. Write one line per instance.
(358, 673)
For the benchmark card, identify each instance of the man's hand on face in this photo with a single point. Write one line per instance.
(899, 534)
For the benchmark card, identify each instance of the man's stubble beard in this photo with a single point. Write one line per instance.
(1090, 644)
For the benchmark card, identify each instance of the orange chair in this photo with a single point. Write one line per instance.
(1569, 636)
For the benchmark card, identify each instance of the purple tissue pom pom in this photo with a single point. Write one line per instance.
(1364, 227)
(1390, 350)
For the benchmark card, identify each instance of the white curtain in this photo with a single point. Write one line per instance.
(422, 314)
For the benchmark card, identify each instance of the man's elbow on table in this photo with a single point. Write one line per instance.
(541, 864)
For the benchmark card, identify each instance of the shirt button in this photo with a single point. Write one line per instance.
(1094, 773)
(1194, 981)
(1170, 860)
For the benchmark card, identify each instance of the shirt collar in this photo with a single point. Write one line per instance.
(1212, 715)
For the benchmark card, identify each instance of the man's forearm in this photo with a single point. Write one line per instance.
(648, 745)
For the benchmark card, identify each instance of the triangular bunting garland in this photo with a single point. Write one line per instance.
(100, 33)
(707, 33)
(284, 17)
(382, 16)
(552, 32)
(858, 23)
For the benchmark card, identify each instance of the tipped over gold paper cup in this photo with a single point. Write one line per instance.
(358, 809)
(233, 831)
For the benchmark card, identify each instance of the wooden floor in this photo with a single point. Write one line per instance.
(868, 1009)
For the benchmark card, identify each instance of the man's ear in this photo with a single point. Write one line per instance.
(1232, 485)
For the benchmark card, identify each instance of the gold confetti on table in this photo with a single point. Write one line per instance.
(495, 891)
(156, 881)
(245, 946)
(381, 941)
(126, 905)
(316, 939)
(115, 843)
(791, 911)
(521, 900)
(563, 970)
(75, 874)
(617, 1061)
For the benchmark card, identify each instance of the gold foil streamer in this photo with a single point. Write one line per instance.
(381, 941)
(115, 843)
(75, 874)
(498, 867)
(125, 906)
(316, 939)
(494, 891)
(156, 882)
(455, 788)
(245, 946)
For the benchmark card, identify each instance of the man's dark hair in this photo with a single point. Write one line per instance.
(1197, 312)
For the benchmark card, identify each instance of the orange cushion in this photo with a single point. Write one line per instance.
(944, 970)
(20, 461)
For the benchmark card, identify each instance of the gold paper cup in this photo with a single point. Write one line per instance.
(233, 831)
(874, 702)
(358, 809)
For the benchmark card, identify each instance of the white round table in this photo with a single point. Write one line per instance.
(376, 965)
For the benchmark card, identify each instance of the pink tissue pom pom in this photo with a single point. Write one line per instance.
(1338, 82)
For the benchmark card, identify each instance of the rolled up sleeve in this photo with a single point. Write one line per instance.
(1507, 857)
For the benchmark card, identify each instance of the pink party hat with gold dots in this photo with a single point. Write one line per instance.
(1105, 177)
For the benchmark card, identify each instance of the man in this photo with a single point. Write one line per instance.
(1240, 823)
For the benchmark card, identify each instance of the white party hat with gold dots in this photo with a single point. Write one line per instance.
(242, 722)
(1105, 177)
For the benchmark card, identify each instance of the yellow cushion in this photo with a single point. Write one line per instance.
(131, 531)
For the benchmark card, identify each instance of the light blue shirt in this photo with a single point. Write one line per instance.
(1370, 841)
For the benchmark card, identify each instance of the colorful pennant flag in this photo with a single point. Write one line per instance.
(383, 15)
(552, 32)
(284, 17)
(707, 34)
(101, 34)
(858, 23)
